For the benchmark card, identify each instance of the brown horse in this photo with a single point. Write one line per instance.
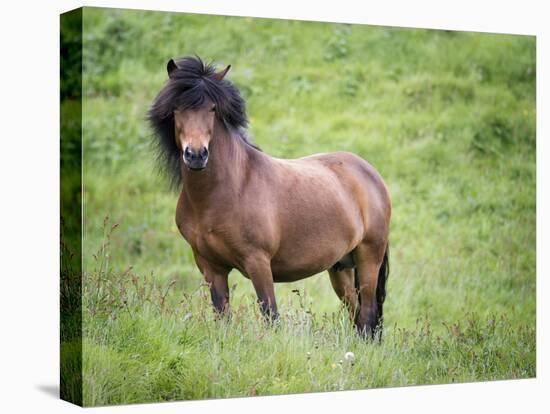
(275, 220)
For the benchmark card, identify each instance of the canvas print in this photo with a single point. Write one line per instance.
(255, 206)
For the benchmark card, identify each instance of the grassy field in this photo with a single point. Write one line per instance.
(447, 118)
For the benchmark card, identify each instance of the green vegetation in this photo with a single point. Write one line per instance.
(447, 118)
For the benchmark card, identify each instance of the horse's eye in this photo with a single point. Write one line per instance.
(213, 108)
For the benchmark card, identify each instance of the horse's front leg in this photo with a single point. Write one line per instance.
(216, 278)
(258, 270)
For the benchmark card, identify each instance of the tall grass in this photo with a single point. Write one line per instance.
(447, 118)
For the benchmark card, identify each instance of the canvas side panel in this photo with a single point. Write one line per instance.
(71, 206)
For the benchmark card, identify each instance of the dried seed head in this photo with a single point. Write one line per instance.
(349, 356)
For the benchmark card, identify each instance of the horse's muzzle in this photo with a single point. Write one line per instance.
(195, 160)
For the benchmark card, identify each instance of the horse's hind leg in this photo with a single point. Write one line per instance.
(368, 258)
(343, 283)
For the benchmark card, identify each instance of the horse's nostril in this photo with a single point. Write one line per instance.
(204, 152)
(187, 153)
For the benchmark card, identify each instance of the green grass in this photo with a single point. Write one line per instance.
(447, 118)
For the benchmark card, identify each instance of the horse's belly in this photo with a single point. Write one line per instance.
(292, 275)
(315, 244)
(303, 264)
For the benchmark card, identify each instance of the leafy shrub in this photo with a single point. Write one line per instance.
(500, 131)
(103, 53)
(338, 45)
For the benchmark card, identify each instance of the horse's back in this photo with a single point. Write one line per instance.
(342, 162)
(349, 166)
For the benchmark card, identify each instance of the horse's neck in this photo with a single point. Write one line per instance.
(225, 172)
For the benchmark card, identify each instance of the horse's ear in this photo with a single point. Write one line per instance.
(171, 67)
(221, 74)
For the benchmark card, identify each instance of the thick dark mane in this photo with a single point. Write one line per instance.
(192, 84)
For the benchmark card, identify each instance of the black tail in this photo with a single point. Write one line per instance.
(383, 274)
